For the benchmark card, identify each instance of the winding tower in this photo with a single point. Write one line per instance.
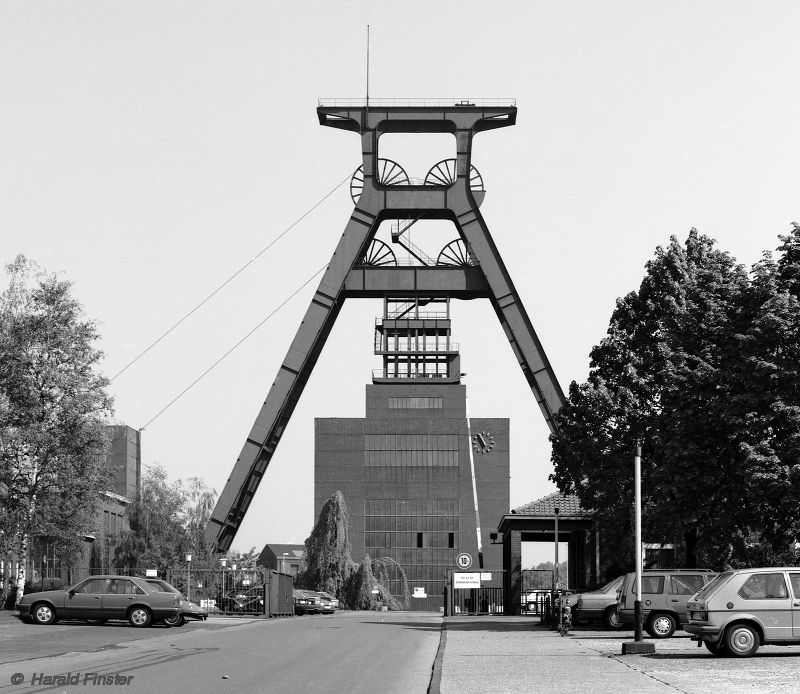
(364, 265)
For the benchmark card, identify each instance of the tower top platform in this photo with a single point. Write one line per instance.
(416, 115)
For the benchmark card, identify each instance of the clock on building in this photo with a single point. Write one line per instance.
(482, 442)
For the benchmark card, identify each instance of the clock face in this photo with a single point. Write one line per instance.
(482, 442)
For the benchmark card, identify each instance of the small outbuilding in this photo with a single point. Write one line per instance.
(536, 522)
(283, 558)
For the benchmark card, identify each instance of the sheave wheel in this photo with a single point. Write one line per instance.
(661, 626)
(43, 614)
(611, 618)
(140, 617)
(741, 640)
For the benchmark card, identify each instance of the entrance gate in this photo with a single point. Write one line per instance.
(246, 591)
(486, 599)
(537, 591)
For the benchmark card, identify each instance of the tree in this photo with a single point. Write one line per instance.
(327, 561)
(199, 504)
(767, 403)
(53, 405)
(662, 377)
(157, 537)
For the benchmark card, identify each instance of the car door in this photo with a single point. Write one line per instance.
(766, 595)
(681, 588)
(794, 579)
(118, 597)
(85, 600)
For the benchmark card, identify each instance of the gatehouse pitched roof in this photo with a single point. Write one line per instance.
(568, 507)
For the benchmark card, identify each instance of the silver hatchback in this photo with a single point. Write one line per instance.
(742, 609)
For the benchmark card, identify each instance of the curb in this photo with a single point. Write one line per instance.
(434, 686)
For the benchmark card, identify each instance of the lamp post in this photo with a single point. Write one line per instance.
(223, 562)
(556, 581)
(188, 576)
(638, 645)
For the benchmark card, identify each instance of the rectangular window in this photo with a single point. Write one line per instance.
(451, 540)
(415, 403)
(419, 539)
(685, 585)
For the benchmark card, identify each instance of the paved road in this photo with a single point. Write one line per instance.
(347, 652)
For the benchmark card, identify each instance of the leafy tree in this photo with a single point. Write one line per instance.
(386, 570)
(360, 586)
(662, 376)
(53, 405)
(767, 403)
(199, 504)
(328, 564)
(157, 537)
(327, 561)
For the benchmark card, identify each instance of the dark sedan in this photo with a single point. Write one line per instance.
(189, 610)
(101, 598)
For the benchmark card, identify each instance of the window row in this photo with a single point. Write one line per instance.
(411, 507)
(416, 523)
(419, 540)
(415, 403)
(411, 458)
(411, 442)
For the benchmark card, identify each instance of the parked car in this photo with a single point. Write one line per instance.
(306, 602)
(189, 610)
(665, 593)
(600, 604)
(329, 603)
(740, 610)
(99, 599)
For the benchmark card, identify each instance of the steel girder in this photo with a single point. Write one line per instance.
(344, 277)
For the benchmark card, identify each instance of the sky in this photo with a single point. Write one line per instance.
(150, 149)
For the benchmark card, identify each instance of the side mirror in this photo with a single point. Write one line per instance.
(71, 592)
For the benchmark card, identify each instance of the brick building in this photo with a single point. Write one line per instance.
(404, 469)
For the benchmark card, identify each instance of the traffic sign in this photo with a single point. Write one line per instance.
(463, 560)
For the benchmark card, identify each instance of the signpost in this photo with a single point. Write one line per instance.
(466, 580)
(464, 560)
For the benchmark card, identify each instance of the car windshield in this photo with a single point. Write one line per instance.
(713, 584)
(611, 585)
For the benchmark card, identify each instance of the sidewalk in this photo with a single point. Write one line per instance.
(505, 655)
(515, 654)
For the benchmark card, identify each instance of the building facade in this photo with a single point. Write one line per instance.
(404, 469)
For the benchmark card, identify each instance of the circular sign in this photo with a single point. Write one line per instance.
(464, 561)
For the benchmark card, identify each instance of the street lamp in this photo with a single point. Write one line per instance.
(188, 576)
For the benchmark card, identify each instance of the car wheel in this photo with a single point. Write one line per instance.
(741, 640)
(612, 619)
(140, 617)
(717, 648)
(43, 613)
(177, 620)
(661, 626)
